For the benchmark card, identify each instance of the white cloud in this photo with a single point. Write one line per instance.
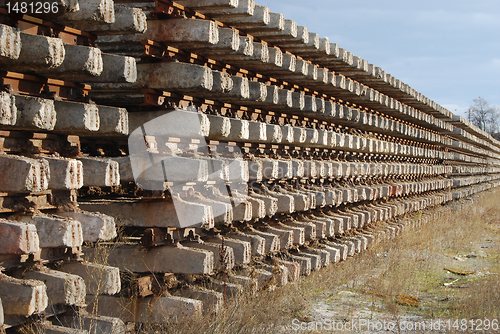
(486, 19)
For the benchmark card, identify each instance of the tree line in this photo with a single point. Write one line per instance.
(485, 116)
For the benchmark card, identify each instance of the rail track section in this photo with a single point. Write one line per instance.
(158, 158)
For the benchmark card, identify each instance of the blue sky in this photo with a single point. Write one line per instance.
(447, 50)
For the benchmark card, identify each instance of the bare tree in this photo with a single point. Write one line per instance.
(484, 116)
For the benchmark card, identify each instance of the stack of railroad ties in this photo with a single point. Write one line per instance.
(323, 155)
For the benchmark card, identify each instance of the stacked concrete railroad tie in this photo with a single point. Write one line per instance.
(208, 149)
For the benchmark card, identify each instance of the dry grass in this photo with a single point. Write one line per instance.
(411, 264)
